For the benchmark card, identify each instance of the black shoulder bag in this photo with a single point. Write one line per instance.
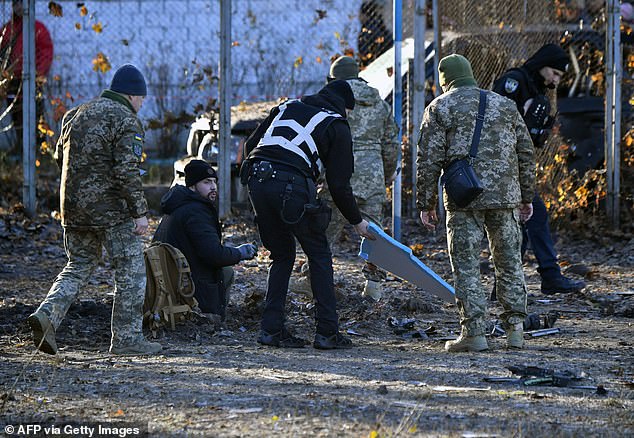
(459, 179)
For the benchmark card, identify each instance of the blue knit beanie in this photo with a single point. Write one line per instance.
(129, 80)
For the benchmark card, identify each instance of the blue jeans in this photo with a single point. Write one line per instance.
(537, 232)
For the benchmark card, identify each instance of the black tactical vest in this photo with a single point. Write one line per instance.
(299, 128)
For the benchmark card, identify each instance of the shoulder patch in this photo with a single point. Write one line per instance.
(137, 145)
(510, 86)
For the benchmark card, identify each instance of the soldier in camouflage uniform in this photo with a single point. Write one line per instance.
(505, 165)
(375, 147)
(102, 205)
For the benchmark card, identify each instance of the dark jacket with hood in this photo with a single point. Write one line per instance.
(190, 223)
(334, 145)
(524, 83)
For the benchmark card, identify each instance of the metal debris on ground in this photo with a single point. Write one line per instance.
(543, 332)
(406, 327)
(533, 376)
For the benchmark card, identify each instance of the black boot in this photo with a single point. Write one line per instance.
(561, 285)
(337, 340)
(281, 339)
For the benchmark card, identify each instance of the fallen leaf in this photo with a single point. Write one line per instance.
(55, 9)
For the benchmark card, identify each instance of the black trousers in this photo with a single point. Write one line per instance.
(278, 202)
(537, 232)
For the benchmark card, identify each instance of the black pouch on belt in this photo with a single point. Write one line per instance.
(263, 171)
(245, 171)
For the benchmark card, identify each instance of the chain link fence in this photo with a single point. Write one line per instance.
(496, 35)
(279, 49)
(284, 49)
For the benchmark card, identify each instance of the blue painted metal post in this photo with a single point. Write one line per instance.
(397, 103)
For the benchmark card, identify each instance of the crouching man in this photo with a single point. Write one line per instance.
(190, 223)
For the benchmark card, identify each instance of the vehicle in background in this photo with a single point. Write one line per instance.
(203, 143)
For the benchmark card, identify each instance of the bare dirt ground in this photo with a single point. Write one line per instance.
(217, 381)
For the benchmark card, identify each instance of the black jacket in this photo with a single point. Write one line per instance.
(190, 223)
(334, 144)
(520, 85)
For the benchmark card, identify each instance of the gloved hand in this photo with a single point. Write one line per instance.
(247, 251)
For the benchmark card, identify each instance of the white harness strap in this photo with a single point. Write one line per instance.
(303, 134)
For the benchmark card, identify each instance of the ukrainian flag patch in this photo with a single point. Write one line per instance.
(137, 145)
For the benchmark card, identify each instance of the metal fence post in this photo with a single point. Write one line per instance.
(420, 26)
(613, 111)
(397, 103)
(224, 151)
(437, 43)
(28, 108)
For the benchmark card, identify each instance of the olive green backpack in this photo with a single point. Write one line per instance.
(169, 294)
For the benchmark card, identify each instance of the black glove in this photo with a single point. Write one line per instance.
(247, 251)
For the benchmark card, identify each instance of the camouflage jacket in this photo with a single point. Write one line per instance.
(505, 161)
(99, 151)
(374, 141)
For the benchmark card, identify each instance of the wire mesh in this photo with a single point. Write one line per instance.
(497, 35)
(279, 49)
(283, 49)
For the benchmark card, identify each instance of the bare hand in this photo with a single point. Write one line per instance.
(140, 225)
(362, 229)
(527, 105)
(429, 219)
(526, 212)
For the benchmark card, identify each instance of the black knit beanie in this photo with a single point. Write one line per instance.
(343, 90)
(550, 55)
(129, 80)
(198, 170)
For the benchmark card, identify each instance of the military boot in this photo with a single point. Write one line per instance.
(467, 343)
(141, 347)
(373, 290)
(336, 341)
(515, 336)
(43, 332)
(281, 339)
(561, 285)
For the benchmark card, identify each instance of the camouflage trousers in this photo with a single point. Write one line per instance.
(83, 249)
(465, 230)
(371, 210)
